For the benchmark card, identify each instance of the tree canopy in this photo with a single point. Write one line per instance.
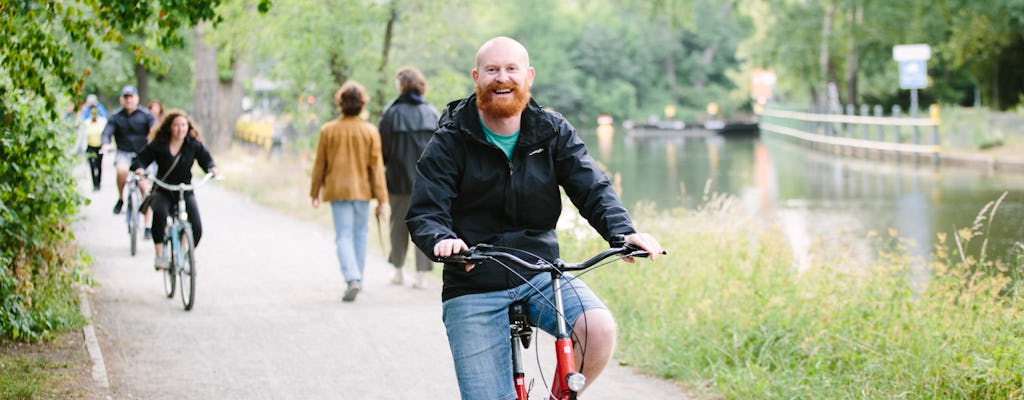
(40, 37)
(976, 46)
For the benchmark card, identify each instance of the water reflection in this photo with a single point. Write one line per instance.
(816, 197)
(605, 135)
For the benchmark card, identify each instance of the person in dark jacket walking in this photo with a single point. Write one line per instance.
(405, 128)
(491, 174)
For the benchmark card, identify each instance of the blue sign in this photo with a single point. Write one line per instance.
(913, 74)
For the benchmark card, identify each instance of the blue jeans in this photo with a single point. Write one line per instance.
(478, 331)
(351, 222)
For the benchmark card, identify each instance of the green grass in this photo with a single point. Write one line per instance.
(58, 368)
(726, 312)
(22, 378)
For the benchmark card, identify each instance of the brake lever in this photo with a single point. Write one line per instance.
(637, 252)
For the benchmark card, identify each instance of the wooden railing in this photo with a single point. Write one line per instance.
(858, 134)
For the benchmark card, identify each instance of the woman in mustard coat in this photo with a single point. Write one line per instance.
(348, 173)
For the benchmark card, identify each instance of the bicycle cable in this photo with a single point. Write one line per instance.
(568, 280)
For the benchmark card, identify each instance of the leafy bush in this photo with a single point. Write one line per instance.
(39, 263)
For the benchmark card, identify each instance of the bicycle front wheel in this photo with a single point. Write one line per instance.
(133, 219)
(168, 273)
(187, 269)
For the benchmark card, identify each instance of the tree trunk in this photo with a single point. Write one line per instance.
(856, 18)
(826, 57)
(670, 77)
(229, 103)
(706, 57)
(205, 95)
(142, 84)
(384, 53)
(217, 102)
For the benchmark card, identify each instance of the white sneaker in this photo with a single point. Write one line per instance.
(161, 262)
(398, 278)
(421, 280)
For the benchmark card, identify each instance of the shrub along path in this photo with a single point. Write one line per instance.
(268, 321)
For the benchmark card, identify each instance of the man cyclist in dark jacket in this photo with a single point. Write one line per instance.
(129, 128)
(405, 128)
(491, 174)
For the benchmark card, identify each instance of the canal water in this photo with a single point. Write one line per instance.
(815, 197)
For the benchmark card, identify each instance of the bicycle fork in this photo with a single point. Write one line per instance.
(178, 229)
(567, 382)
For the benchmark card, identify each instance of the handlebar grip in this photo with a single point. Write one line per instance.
(466, 257)
(637, 252)
(454, 258)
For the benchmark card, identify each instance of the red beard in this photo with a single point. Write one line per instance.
(502, 107)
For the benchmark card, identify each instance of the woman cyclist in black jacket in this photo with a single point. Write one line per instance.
(175, 144)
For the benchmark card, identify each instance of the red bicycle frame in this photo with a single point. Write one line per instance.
(565, 367)
(567, 382)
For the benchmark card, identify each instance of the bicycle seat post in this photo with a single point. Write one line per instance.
(519, 328)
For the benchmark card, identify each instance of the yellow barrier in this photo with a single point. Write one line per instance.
(259, 133)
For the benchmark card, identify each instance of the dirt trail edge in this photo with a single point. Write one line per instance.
(268, 322)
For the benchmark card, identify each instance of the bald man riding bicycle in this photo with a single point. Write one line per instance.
(491, 174)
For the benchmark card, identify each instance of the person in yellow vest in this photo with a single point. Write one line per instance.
(93, 131)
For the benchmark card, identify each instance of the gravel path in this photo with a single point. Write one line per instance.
(268, 322)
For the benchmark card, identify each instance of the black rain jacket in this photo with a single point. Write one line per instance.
(466, 188)
(405, 128)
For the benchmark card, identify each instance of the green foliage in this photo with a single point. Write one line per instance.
(727, 312)
(40, 263)
(591, 58)
(299, 55)
(40, 36)
(974, 45)
(973, 128)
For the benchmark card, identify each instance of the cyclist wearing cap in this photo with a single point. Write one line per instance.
(128, 127)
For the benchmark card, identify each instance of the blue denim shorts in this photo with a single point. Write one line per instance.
(478, 331)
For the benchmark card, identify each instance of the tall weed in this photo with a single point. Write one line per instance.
(727, 312)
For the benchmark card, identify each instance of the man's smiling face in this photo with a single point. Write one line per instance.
(503, 77)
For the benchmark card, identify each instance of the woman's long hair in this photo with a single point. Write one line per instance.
(162, 130)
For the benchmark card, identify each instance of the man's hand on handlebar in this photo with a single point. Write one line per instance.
(645, 242)
(448, 247)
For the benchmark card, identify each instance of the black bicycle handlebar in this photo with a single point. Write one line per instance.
(484, 252)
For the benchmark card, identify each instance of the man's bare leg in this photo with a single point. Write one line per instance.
(596, 330)
(122, 177)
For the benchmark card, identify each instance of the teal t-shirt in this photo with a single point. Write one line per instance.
(505, 143)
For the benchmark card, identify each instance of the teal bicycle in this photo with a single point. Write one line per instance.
(178, 241)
